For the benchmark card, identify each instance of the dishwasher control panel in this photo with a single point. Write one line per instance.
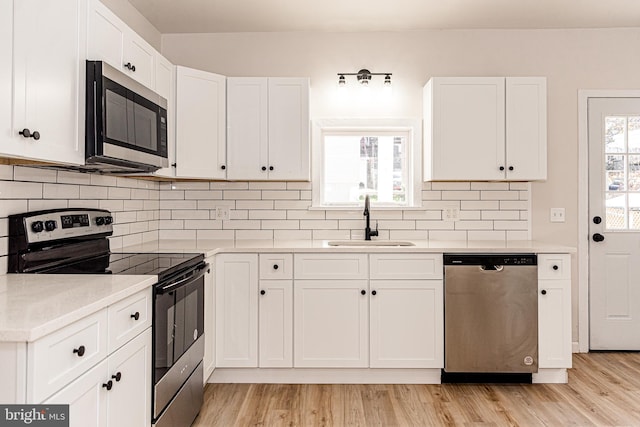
(492, 259)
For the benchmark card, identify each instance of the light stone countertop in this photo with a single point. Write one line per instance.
(34, 305)
(212, 247)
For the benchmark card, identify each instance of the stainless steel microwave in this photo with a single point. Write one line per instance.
(126, 123)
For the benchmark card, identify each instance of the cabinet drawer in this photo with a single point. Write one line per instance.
(128, 318)
(64, 355)
(276, 266)
(554, 266)
(406, 266)
(330, 266)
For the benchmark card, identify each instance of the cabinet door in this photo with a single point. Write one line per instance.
(141, 56)
(465, 115)
(6, 63)
(200, 120)
(526, 128)
(166, 87)
(247, 128)
(407, 327)
(86, 397)
(129, 400)
(49, 69)
(554, 323)
(331, 319)
(236, 310)
(209, 323)
(106, 35)
(289, 129)
(276, 324)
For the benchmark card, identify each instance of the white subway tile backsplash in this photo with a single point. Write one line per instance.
(203, 194)
(81, 203)
(6, 173)
(105, 180)
(215, 234)
(501, 215)
(480, 205)
(519, 186)
(514, 205)
(20, 190)
(171, 224)
(447, 235)
(178, 204)
(281, 195)
(473, 225)
(496, 186)
(124, 217)
(486, 235)
(202, 224)
(42, 204)
(292, 234)
(10, 207)
(395, 225)
(511, 225)
(292, 204)
(177, 234)
(189, 214)
(470, 215)
(431, 195)
(462, 186)
(267, 186)
(242, 195)
(97, 193)
(228, 185)
(234, 214)
(266, 214)
(331, 234)
(4, 227)
(65, 177)
(298, 186)
(213, 204)
(172, 195)
(499, 195)
(60, 191)
(434, 225)
(143, 194)
(241, 224)
(294, 214)
(305, 195)
(280, 224)
(312, 224)
(119, 193)
(461, 195)
(517, 235)
(254, 204)
(408, 235)
(23, 173)
(133, 205)
(254, 234)
(343, 214)
(424, 215)
(189, 185)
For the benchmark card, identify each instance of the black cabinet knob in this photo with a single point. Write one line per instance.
(510, 168)
(262, 292)
(374, 293)
(275, 266)
(79, 351)
(173, 165)
(543, 292)
(501, 168)
(223, 167)
(264, 168)
(598, 237)
(117, 376)
(28, 134)
(270, 168)
(108, 385)
(555, 267)
(363, 292)
(136, 315)
(129, 66)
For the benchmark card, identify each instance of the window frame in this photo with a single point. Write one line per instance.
(411, 127)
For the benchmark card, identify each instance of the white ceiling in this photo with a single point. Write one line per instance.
(214, 16)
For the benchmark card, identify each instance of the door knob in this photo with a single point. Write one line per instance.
(597, 220)
(598, 237)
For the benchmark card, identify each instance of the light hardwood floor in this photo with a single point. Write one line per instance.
(603, 390)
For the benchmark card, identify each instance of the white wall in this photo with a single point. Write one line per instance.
(570, 59)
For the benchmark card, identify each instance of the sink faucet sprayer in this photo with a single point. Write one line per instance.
(367, 229)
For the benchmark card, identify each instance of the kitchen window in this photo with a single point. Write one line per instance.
(355, 158)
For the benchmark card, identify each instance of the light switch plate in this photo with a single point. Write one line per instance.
(557, 215)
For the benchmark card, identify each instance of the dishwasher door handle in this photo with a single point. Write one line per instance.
(496, 268)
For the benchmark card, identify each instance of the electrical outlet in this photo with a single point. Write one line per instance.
(451, 213)
(222, 212)
(557, 215)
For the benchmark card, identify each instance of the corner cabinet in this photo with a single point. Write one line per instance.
(45, 44)
(200, 124)
(268, 128)
(499, 123)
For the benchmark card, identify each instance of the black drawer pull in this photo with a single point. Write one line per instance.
(117, 376)
(108, 385)
(136, 315)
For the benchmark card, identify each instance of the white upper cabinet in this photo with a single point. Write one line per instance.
(200, 124)
(112, 41)
(48, 80)
(485, 128)
(268, 128)
(166, 87)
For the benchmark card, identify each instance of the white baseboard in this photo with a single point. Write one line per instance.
(550, 376)
(325, 376)
(575, 347)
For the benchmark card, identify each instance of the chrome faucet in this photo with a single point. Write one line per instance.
(367, 229)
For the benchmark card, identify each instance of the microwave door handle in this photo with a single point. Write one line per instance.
(192, 277)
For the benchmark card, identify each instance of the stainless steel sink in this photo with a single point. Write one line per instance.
(370, 243)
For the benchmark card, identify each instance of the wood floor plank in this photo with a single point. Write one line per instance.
(603, 390)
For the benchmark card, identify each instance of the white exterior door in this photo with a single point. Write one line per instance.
(614, 223)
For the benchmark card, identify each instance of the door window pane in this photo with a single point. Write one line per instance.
(622, 172)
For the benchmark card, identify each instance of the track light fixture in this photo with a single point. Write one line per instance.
(364, 77)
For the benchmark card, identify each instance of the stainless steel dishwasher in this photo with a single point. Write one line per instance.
(491, 313)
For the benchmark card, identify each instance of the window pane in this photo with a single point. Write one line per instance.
(615, 173)
(616, 211)
(366, 163)
(614, 134)
(634, 134)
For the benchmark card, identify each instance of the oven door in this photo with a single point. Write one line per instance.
(178, 329)
(179, 317)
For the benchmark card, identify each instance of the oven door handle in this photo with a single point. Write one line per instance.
(198, 273)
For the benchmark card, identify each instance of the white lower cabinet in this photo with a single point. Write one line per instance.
(275, 324)
(209, 361)
(554, 311)
(406, 324)
(236, 302)
(331, 323)
(116, 392)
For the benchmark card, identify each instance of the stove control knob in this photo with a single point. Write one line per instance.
(108, 220)
(37, 226)
(50, 225)
(100, 220)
